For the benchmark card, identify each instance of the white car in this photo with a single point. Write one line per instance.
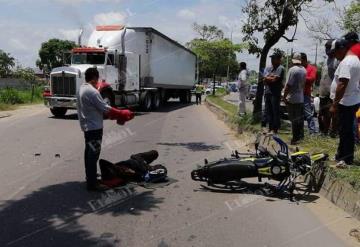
(209, 89)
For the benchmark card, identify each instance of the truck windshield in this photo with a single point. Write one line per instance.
(88, 58)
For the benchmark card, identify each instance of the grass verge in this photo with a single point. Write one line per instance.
(11, 98)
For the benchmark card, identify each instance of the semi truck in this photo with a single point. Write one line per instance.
(138, 66)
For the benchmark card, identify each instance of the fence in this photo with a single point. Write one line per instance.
(14, 83)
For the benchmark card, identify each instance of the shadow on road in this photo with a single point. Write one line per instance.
(262, 189)
(50, 216)
(72, 116)
(192, 146)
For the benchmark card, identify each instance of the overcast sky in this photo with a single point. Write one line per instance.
(25, 24)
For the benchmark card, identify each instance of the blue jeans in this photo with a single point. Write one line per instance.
(308, 113)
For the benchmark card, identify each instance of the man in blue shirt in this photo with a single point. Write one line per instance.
(273, 80)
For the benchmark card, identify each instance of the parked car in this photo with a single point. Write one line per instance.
(252, 92)
(209, 89)
(233, 86)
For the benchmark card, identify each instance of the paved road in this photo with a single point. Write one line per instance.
(43, 201)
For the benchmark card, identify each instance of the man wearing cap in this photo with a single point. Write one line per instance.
(346, 100)
(310, 79)
(294, 98)
(273, 80)
(327, 122)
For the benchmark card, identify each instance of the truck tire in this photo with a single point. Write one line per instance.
(188, 96)
(155, 101)
(146, 102)
(185, 97)
(108, 97)
(58, 111)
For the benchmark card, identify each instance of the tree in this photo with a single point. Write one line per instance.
(214, 56)
(214, 52)
(26, 74)
(270, 19)
(207, 32)
(7, 62)
(51, 53)
(351, 20)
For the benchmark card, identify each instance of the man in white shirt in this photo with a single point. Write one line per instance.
(346, 100)
(243, 88)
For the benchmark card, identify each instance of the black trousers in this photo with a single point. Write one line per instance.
(324, 115)
(93, 139)
(272, 111)
(346, 116)
(296, 117)
(198, 98)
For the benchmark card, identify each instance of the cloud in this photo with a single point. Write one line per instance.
(70, 34)
(186, 14)
(77, 2)
(110, 18)
(18, 44)
(63, 18)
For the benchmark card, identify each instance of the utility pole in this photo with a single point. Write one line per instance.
(316, 53)
(228, 67)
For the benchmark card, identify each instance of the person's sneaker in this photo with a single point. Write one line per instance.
(97, 187)
(341, 165)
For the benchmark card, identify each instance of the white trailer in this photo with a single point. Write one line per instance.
(137, 66)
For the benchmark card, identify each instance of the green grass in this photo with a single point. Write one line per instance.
(10, 98)
(351, 175)
(244, 122)
(312, 144)
(231, 109)
(6, 107)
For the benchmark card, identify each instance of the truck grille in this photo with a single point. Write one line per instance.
(63, 85)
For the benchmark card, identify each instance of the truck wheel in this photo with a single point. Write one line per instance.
(185, 97)
(188, 97)
(108, 97)
(146, 104)
(58, 111)
(155, 101)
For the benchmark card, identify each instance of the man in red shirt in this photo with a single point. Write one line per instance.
(354, 44)
(310, 79)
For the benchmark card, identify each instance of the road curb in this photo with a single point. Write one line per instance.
(338, 192)
(223, 115)
(342, 194)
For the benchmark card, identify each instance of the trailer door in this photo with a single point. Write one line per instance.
(132, 72)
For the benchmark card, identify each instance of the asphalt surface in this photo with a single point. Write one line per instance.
(43, 201)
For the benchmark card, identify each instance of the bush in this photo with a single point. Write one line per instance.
(10, 96)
